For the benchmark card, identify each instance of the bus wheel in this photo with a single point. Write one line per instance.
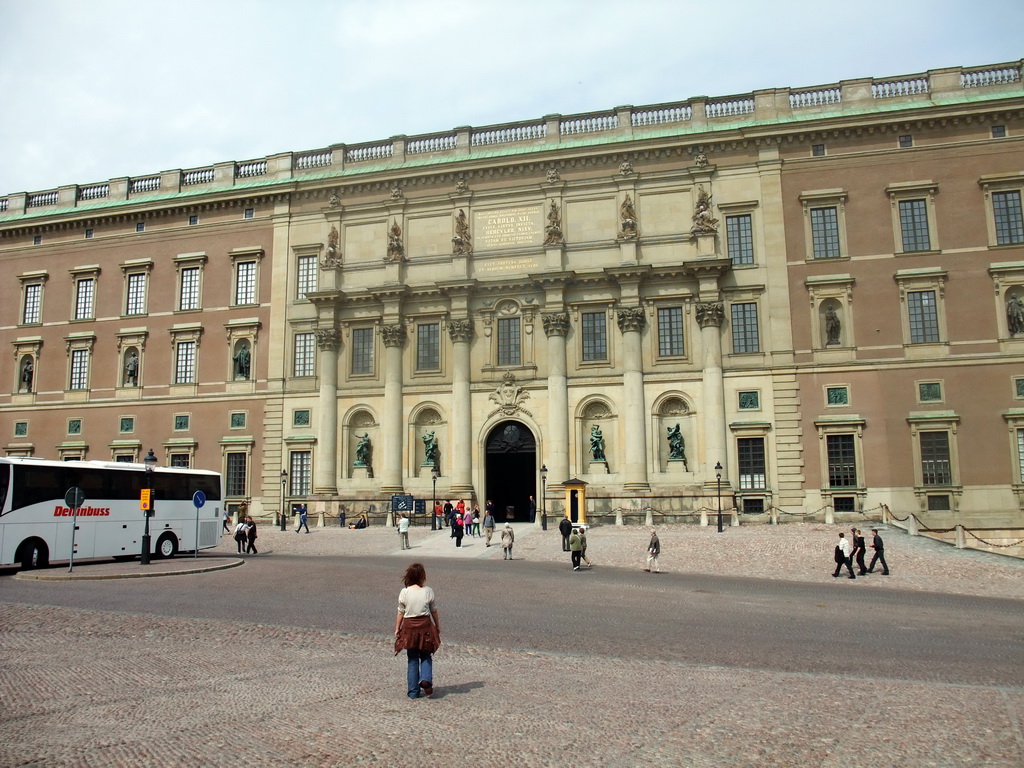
(167, 546)
(34, 555)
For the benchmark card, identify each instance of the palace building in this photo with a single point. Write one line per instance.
(798, 298)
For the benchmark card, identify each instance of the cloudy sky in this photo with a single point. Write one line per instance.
(95, 89)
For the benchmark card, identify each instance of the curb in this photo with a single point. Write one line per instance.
(41, 576)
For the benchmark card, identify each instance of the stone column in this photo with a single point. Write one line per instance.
(631, 324)
(460, 458)
(710, 316)
(391, 427)
(556, 326)
(325, 473)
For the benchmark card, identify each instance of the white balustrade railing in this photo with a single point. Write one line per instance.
(588, 124)
(41, 198)
(508, 135)
(200, 176)
(370, 152)
(316, 159)
(95, 192)
(3, 204)
(661, 115)
(891, 89)
(254, 168)
(816, 98)
(149, 184)
(990, 76)
(729, 108)
(431, 144)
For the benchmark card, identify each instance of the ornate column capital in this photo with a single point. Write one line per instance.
(460, 330)
(556, 323)
(710, 313)
(632, 319)
(327, 339)
(393, 335)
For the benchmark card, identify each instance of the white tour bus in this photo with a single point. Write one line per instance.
(36, 523)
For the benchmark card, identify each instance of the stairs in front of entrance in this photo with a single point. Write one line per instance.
(428, 543)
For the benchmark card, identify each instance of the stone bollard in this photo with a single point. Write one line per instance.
(618, 517)
(734, 518)
(323, 519)
(649, 519)
(961, 537)
(912, 525)
(774, 516)
(830, 516)
(391, 519)
(703, 518)
(885, 514)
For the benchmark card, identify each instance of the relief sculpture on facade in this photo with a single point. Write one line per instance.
(326, 339)
(396, 249)
(553, 230)
(704, 222)
(710, 313)
(509, 397)
(462, 243)
(556, 323)
(1014, 315)
(630, 228)
(632, 319)
(332, 256)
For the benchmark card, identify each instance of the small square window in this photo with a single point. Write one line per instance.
(74, 426)
(754, 506)
(181, 422)
(938, 503)
(127, 424)
(21, 429)
(843, 504)
(140, 226)
(750, 401)
(37, 240)
(929, 392)
(238, 420)
(998, 131)
(906, 141)
(88, 234)
(193, 220)
(817, 150)
(300, 418)
(249, 213)
(837, 395)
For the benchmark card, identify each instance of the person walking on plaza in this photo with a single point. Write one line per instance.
(565, 528)
(533, 510)
(508, 538)
(403, 530)
(227, 522)
(438, 512)
(240, 534)
(303, 519)
(843, 556)
(653, 550)
(250, 534)
(488, 528)
(417, 631)
(858, 551)
(476, 520)
(583, 547)
(575, 547)
(458, 528)
(879, 546)
(449, 510)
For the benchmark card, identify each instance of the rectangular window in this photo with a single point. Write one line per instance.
(1020, 455)
(79, 369)
(85, 289)
(842, 461)
(914, 225)
(136, 299)
(32, 311)
(817, 150)
(88, 234)
(750, 455)
(249, 213)
(744, 328)
(670, 332)
(299, 476)
(906, 141)
(140, 226)
(185, 363)
(924, 317)
(234, 480)
(428, 347)
(193, 220)
(245, 282)
(180, 460)
(935, 466)
(305, 354)
(825, 233)
(307, 274)
(188, 297)
(509, 349)
(362, 350)
(1009, 219)
(594, 333)
(739, 238)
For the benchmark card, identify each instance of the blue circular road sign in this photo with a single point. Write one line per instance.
(198, 499)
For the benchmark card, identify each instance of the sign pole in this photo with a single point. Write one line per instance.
(198, 500)
(74, 498)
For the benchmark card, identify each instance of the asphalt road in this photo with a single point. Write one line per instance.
(730, 622)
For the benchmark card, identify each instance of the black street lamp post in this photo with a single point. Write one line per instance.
(543, 497)
(718, 478)
(284, 517)
(434, 474)
(150, 462)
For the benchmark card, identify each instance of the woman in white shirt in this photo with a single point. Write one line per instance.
(417, 630)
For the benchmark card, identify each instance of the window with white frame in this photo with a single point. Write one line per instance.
(300, 473)
(304, 354)
(185, 362)
(825, 233)
(936, 468)
(188, 289)
(362, 351)
(245, 282)
(594, 336)
(824, 223)
(428, 346)
(510, 350)
(922, 292)
(842, 460)
(750, 457)
(922, 317)
(79, 375)
(745, 338)
(670, 332)
(85, 295)
(739, 238)
(933, 439)
(181, 460)
(236, 471)
(913, 212)
(32, 297)
(1009, 220)
(306, 272)
(914, 225)
(135, 293)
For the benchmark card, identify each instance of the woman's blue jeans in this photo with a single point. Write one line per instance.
(421, 667)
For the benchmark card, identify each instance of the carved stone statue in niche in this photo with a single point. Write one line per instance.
(429, 449)
(462, 243)
(597, 443)
(1014, 315)
(242, 359)
(676, 446)
(332, 257)
(396, 250)
(704, 223)
(627, 212)
(131, 370)
(833, 327)
(363, 450)
(553, 231)
(27, 374)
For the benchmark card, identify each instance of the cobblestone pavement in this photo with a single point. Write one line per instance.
(91, 688)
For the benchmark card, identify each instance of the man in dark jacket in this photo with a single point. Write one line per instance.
(565, 528)
(879, 546)
(858, 551)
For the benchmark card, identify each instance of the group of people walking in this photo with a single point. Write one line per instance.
(850, 550)
(245, 535)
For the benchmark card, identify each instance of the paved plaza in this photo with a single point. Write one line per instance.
(113, 685)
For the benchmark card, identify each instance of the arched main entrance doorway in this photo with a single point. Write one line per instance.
(511, 471)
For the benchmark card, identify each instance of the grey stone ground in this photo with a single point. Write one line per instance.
(84, 688)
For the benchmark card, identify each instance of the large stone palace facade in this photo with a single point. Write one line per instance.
(800, 298)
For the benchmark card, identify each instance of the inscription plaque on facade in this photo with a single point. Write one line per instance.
(508, 227)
